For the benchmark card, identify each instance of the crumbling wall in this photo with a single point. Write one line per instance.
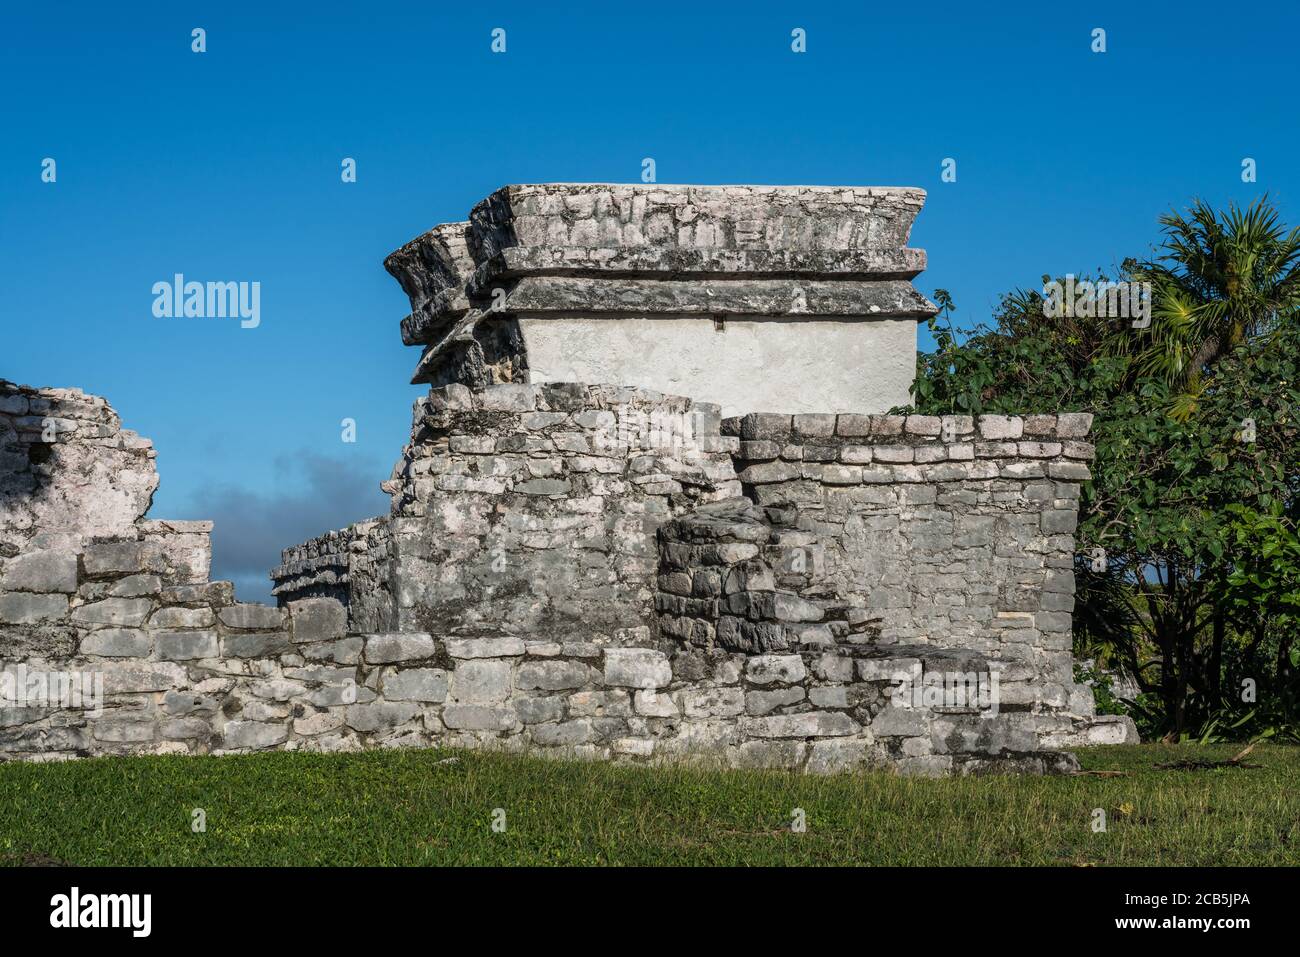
(950, 535)
(68, 471)
(607, 569)
(949, 531)
(531, 508)
(116, 643)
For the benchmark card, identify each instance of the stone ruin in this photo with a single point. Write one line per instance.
(654, 507)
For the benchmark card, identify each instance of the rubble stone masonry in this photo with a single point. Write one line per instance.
(594, 569)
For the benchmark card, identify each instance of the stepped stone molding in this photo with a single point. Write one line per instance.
(681, 289)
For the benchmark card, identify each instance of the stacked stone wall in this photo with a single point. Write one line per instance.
(569, 569)
(949, 531)
(532, 508)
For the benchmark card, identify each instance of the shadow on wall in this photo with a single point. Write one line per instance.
(312, 494)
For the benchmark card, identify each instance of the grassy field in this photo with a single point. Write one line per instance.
(437, 807)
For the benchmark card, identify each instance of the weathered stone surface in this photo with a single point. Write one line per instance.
(124, 731)
(481, 681)
(894, 721)
(555, 675)
(119, 557)
(25, 608)
(809, 724)
(637, 668)
(318, 619)
(135, 586)
(40, 571)
(507, 647)
(185, 645)
(621, 572)
(178, 617)
(836, 755)
(416, 684)
(130, 612)
(762, 702)
(471, 717)
(252, 617)
(389, 648)
(118, 643)
(766, 669)
(379, 715)
(256, 645)
(253, 735)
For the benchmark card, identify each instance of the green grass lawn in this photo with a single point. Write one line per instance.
(418, 807)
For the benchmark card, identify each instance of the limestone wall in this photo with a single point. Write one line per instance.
(68, 471)
(953, 532)
(175, 669)
(573, 569)
(531, 508)
(148, 666)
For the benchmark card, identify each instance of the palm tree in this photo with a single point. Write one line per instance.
(1216, 282)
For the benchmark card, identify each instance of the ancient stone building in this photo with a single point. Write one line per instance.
(653, 507)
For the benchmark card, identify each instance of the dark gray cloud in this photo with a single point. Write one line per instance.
(312, 494)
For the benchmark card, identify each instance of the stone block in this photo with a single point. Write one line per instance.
(654, 704)
(252, 617)
(136, 586)
(121, 558)
(555, 676)
(481, 681)
(392, 647)
(837, 755)
(318, 619)
(416, 684)
(185, 645)
(637, 668)
(998, 427)
(765, 702)
(712, 702)
(770, 669)
(504, 647)
(40, 571)
(808, 724)
(123, 612)
(180, 617)
(814, 424)
(253, 735)
(893, 721)
(118, 643)
(262, 644)
(379, 715)
(762, 425)
(470, 717)
(539, 710)
(28, 608)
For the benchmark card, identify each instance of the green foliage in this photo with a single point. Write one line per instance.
(1220, 280)
(1103, 693)
(1266, 576)
(1193, 497)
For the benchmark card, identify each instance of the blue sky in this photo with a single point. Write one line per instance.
(225, 166)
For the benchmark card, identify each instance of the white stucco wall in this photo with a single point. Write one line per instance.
(778, 365)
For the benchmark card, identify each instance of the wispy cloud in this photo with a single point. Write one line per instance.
(313, 493)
